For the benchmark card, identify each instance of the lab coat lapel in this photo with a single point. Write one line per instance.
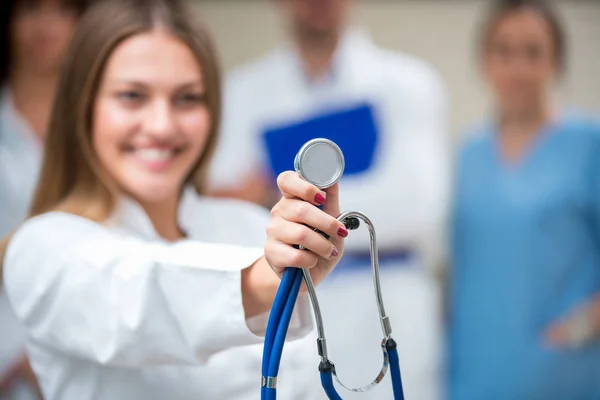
(131, 217)
(342, 84)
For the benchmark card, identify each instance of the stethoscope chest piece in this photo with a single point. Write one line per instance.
(320, 162)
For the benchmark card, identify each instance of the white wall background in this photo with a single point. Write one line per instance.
(442, 32)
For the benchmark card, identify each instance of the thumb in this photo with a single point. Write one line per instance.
(332, 202)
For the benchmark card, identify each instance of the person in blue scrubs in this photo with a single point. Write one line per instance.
(524, 298)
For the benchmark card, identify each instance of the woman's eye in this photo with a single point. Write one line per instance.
(191, 99)
(130, 96)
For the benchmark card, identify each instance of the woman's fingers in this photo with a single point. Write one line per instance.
(281, 255)
(301, 212)
(297, 234)
(294, 220)
(292, 186)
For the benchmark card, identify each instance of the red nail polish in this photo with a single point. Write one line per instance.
(334, 253)
(343, 232)
(319, 199)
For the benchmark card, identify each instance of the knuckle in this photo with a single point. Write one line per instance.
(308, 191)
(325, 248)
(301, 211)
(311, 260)
(284, 178)
(333, 225)
(276, 210)
(297, 258)
(267, 247)
(269, 250)
(302, 234)
(271, 229)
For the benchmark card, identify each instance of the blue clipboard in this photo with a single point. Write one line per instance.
(353, 129)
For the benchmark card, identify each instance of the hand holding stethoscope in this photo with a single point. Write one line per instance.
(292, 215)
(320, 164)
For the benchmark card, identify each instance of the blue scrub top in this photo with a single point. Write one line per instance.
(526, 249)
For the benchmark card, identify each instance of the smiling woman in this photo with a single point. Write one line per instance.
(152, 120)
(133, 97)
(133, 268)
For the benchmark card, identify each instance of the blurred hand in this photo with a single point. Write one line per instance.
(20, 372)
(578, 327)
(293, 218)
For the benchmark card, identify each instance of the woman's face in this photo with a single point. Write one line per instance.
(41, 31)
(520, 60)
(151, 121)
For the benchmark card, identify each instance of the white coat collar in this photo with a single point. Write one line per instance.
(131, 217)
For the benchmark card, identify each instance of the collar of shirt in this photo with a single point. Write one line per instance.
(131, 217)
(354, 45)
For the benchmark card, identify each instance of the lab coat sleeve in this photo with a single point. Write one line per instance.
(407, 194)
(82, 290)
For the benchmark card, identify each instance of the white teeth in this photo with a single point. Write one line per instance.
(154, 154)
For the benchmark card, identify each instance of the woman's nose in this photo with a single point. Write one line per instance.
(160, 119)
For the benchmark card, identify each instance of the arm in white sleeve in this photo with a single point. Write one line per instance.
(82, 290)
(406, 194)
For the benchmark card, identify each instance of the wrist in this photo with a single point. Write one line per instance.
(259, 287)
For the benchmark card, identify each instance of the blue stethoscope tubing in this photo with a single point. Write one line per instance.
(332, 394)
(277, 327)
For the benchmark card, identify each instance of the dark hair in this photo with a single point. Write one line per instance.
(500, 8)
(7, 11)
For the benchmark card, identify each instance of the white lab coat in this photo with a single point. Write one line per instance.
(115, 313)
(20, 158)
(404, 193)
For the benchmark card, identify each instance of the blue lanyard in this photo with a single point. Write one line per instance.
(281, 314)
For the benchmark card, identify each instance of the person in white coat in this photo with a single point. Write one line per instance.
(387, 111)
(130, 283)
(34, 36)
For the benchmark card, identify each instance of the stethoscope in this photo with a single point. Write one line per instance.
(321, 162)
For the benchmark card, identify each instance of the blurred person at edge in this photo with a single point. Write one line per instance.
(387, 112)
(34, 35)
(525, 304)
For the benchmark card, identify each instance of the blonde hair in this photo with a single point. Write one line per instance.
(71, 179)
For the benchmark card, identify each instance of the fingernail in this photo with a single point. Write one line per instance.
(319, 199)
(343, 232)
(334, 253)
